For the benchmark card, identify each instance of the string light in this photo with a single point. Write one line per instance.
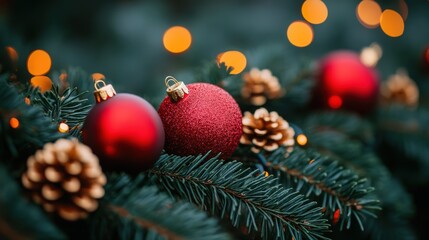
(39, 62)
(27, 100)
(403, 8)
(301, 139)
(44, 83)
(300, 34)
(177, 39)
(336, 216)
(368, 13)
(314, 11)
(391, 23)
(233, 59)
(13, 55)
(370, 55)
(14, 122)
(63, 77)
(63, 128)
(335, 102)
(98, 76)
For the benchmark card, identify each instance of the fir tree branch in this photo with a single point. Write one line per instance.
(75, 78)
(67, 107)
(136, 211)
(20, 219)
(34, 128)
(406, 133)
(334, 186)
(348, 124)
(226, 190)
(341, 141)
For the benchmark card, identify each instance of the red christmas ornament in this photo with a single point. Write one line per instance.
(344, 82)
(425, 58)
(199, 118)
(123, 130)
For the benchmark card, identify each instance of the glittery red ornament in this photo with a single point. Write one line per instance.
(198, 118)
(344, 82)
(124, 131)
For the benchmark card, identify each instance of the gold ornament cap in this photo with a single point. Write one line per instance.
(177, 91)
(103, 93)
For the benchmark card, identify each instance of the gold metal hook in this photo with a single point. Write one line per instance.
(96, 84)
(176, 91)
(104, 92)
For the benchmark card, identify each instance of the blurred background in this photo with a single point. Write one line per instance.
(123, 39)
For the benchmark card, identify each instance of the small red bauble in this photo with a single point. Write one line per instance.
(425, 58)
(124, 131)
(344, 82)
(199, 118)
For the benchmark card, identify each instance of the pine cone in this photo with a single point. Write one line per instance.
(65, 177)
(260, 85)
(399, 88)
(267, 131)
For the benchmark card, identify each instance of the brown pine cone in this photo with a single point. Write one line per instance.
(65, 177)
(266, 131)
(260, 85)
(400, 88)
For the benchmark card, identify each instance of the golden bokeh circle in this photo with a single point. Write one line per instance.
(391, 23)
(39, 62)
(368, 13)
(300, 34)
(233, 59)
(314, 11)
(177, 39)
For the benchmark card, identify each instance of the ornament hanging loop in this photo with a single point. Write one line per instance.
(177, 90)
(98, 82)
(104, 92)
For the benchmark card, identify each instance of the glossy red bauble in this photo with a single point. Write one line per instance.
(125, 132)
(207, 119)
(344, 82)
(425, 60)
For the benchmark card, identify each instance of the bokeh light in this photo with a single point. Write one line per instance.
(301, 139)
(335, 102)
(14, 122)
(233, 59)
(98, 76)
(403, 9)
(314, 11)
(426, 56)
(63, 128)
(368, 13)
(300, 34)
(391, 23)
(44, 83)
(336, 216)
(39, 62)
(13, 55)
(177, 39)
(369, 56)
(27, 100)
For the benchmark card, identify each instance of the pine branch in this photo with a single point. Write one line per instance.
(230, 192)
(76, 78)
(406, 133)
(137, 212)
(341, 141)
(20, 219)
(33, 131)
(348, 124)
(67, 107)
(334, 186)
